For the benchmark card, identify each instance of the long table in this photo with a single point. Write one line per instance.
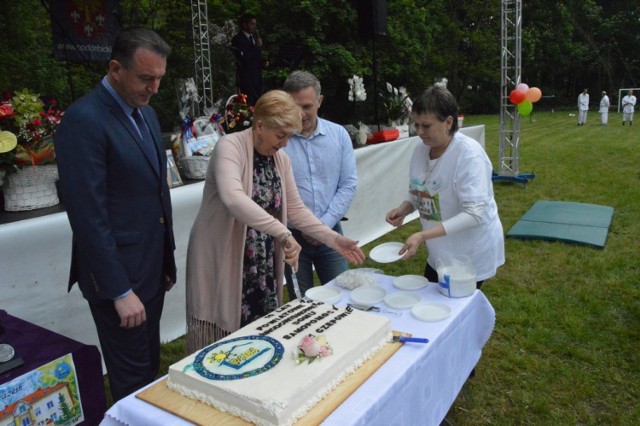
(35, 253)
(417, 385)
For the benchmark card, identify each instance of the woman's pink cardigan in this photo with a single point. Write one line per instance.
(216, 242)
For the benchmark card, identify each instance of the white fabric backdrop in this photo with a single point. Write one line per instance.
(35, 253)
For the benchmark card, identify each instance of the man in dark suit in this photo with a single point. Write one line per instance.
(113, 177)
(247, 48)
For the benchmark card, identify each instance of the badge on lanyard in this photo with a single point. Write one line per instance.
(433, 186)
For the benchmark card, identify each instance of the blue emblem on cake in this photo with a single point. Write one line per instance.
(238, 358)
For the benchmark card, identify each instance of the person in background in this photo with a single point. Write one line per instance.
(628, 106)
(324, 167)
(583, 107)
(113, 177)
(604, 109)
(240, 242)
(247, 48)
(450, 186)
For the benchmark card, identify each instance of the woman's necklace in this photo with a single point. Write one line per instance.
(431, 167)
(437, 153)
(434, 154)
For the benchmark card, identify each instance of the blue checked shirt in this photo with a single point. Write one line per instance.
(324, 166)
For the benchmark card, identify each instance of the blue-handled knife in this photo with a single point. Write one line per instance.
(404, 339)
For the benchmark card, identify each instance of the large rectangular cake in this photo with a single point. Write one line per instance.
(274, 370)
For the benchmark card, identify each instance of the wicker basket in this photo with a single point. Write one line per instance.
(195, 167)
(32, 187)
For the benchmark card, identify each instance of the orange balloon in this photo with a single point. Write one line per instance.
(533, 94)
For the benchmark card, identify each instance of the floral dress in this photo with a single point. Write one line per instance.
(259, 295)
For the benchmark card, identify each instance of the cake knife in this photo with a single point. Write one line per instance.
(296, 286)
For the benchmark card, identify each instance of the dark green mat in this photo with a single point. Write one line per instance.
(565, 221)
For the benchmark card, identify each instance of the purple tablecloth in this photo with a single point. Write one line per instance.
(38, 346)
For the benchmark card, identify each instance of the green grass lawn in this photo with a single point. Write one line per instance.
(565, 346)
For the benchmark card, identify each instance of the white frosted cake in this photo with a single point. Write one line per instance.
(274, 370)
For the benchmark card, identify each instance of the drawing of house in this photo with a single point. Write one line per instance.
(42, 407)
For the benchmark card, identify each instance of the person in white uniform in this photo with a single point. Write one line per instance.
(583, 107)
(604, 108)
(628, 106)
(450, 186)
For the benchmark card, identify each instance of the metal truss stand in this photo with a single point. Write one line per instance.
(201, 50)
(510, 77)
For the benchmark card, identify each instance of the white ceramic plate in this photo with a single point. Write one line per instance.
(401, 299)
(368, 295)
(324, 294)
(386, 252)
(410, 282)
(431, 311)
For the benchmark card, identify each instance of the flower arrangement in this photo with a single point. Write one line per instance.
(236, 116)
(397, 104)
(357, 93)
(33, 124)
(187, 98)
(311, 348)
(223, 75)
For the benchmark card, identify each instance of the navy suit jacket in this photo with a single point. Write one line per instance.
(119, 207)
(248, 66)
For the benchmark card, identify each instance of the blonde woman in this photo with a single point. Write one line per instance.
(235, 268)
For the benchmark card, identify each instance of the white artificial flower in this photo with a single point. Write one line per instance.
(222, 35)
(442, 83)
(190, 89)
(356, 89)
(408, 103)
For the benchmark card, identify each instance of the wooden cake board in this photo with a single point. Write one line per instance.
(199, 413)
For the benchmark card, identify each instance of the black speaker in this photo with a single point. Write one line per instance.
(372, 18)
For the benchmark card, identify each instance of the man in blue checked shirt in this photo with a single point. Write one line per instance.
(325, 170)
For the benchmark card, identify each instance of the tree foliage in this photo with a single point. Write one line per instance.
(566, 46)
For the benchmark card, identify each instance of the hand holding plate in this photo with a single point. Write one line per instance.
(411, 246)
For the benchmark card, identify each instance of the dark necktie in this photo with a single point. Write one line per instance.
(252, 40)
(147, 140)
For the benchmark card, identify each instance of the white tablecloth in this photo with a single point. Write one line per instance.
(35, 253)
(416, 386)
